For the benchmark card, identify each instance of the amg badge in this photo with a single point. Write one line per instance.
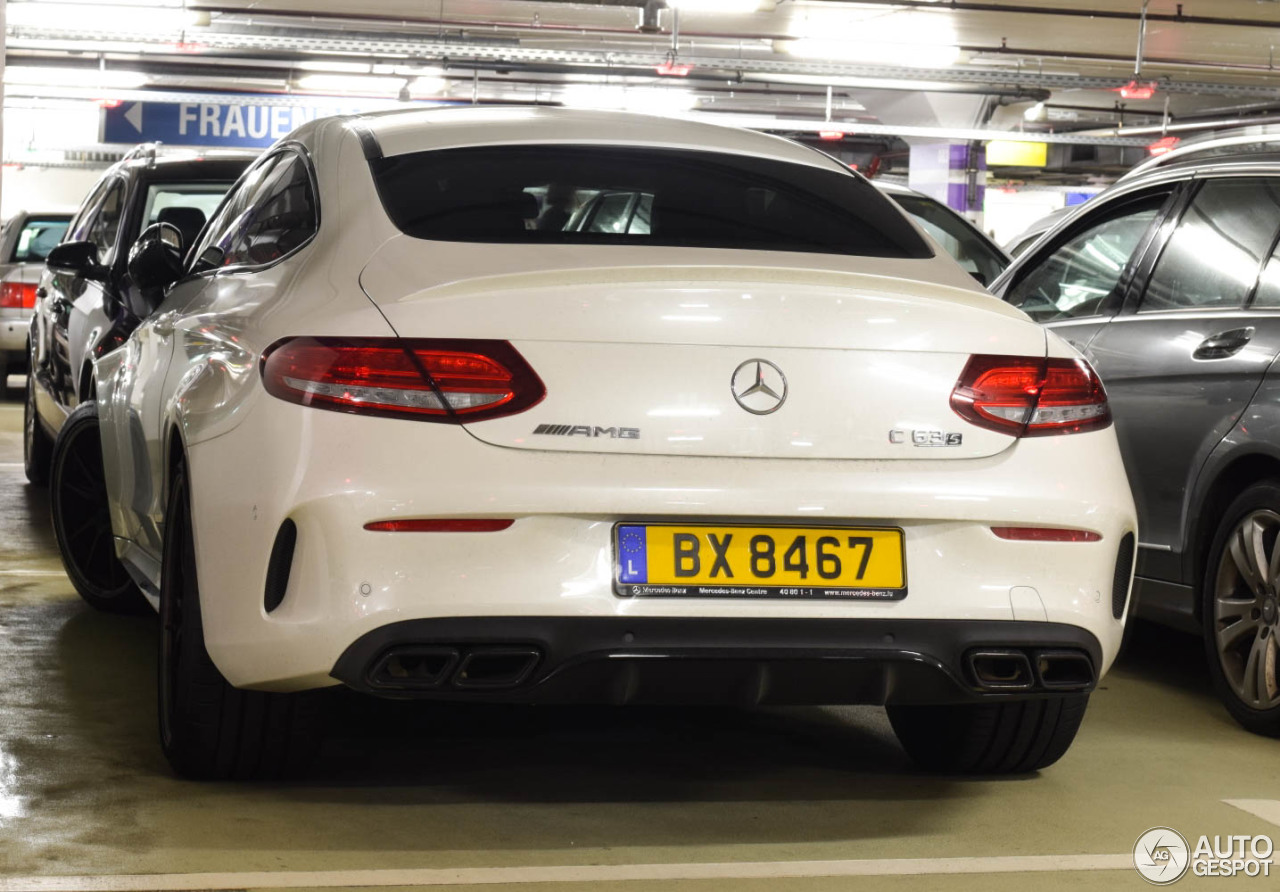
(587, 430)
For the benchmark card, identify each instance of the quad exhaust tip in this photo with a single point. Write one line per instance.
(427, 667)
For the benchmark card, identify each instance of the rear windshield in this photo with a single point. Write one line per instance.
(625, 196)
(37, 238)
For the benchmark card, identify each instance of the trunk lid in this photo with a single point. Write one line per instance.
(722, 360)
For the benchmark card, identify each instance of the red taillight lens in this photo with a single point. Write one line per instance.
(440, 525)
(1025, 396)
(18, 295)
(1046, 534)
(448, 381)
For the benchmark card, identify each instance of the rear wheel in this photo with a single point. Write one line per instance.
(209, 729)
(82, 519)
(1241, 608)
(990, 738)
(37, 448)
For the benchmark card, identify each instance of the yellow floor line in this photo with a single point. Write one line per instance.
(595, 873)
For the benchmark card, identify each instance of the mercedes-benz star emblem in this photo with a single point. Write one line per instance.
(759, 386)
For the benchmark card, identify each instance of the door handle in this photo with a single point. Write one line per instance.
(1224, 344)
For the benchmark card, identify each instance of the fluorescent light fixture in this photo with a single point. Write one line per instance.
(334, 67)
(722, 6)
(95, 78)
(128, 17)
(913, 55)
(651, 100)
(408, 70)
(427, 86)
(348, 83)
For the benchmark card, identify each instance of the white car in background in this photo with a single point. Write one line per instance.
(25, 239)
(755, 443)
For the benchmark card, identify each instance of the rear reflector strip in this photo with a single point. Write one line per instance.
(1046, 534)
(437, 525)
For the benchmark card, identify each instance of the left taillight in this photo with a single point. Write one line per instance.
(449, 381)
(17, 295)
(1027, 396)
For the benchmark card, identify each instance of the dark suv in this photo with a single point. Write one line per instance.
(1169, 283)
(86, 303)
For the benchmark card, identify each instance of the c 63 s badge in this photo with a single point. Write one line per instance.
(926, 438)
(587, 430)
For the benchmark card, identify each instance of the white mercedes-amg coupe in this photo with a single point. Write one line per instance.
(541, 406)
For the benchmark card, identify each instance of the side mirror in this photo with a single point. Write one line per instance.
(155, 260)
(77, 258)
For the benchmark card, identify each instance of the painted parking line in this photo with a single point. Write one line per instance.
(592, 873)
(32, 573)
(1267, 809)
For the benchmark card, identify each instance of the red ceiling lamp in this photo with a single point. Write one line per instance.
(108, 103)
(1163, 146)
(672, 68)
(831, 135)
(1136, 90)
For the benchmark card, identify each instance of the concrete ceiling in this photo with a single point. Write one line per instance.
(909, 63)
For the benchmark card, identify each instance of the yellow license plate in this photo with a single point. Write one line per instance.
(695, 561)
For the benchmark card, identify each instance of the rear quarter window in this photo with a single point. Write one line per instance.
(538, 194)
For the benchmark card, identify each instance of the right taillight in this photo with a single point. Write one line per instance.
(1026, 396)
(448, 381)
(17, 295)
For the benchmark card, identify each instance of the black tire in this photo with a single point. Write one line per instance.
(210, 730)
(1240, 613)
(989, 738)
(37, 447)
(82, 520)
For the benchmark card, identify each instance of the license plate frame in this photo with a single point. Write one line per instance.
(756, 590)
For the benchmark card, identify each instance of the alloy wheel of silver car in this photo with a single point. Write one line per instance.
(1246, 609)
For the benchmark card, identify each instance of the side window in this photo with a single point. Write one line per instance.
(1213, 257)
(106, 223)
(1082, 276)
(280, 217)
(209, 252)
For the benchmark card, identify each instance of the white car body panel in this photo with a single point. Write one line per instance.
(188, 378)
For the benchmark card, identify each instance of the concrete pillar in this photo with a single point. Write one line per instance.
(952, 173)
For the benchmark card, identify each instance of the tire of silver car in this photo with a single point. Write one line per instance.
(989, 738)
(82, 519)
(208, 729)
(37, 447)
(1240, 603)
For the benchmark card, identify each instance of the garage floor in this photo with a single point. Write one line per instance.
(417, 795)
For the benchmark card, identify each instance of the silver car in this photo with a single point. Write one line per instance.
(24, 241)
(1169, 283)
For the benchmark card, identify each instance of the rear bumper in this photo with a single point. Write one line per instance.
(13, 335)
(329, 473)
(742, 661)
